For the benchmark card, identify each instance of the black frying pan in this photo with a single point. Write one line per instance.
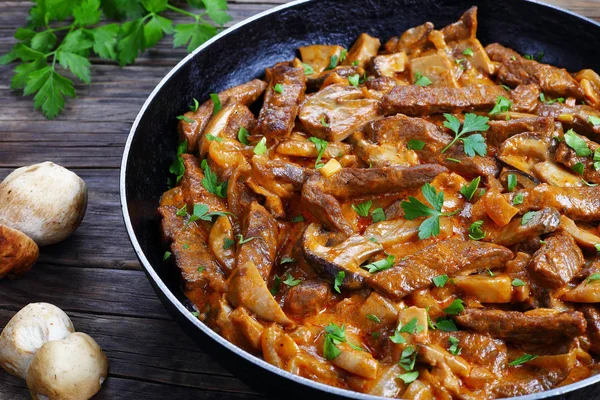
(241, 54)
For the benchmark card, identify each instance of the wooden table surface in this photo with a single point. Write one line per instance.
(94, 276)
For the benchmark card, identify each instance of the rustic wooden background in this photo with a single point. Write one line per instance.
(94, 276)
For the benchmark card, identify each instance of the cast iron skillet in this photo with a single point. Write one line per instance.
(241, 54)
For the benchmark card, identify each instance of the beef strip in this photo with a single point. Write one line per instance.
(260, 225)
(517, 70)
(525, 98)
(557, 261)
(277, 116)
(226, 124)
(568, 157)
(279, 176)
(476, 348)
(501, 130)
(464, 28)
(324, 207)
(450, 257)
(411, 41)
(544, 221)
(533, 327)
(399, 129)
(244, 94)
(573, 117)
(592, 316)
(417, 100)
(528, 380)
(577, 203)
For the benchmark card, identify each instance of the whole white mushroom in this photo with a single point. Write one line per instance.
(27, 332)
(70, 369)
(44, 201)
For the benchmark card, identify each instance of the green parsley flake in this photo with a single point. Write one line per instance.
(324, 123)
(227, 243)
(414, 208)
(167, 255)
(575, 142)
(261, 146)
(362, 209)
(241, 239)
(186, 119)
(592, 278)
(522, 360)
(339, 279)
(414, 144)
(517, 282)
(511, 182)
(321, 146)
(502, 105)
(380, 265)
(409, 377)
(194, 106)
(475, 231)
(211, 183)
(455, 308)
(468, 52)
(290, 281)
(243, 136)
(421, 80)
(333, 62)
(378, 215)
(518, 199)
(354, 80)
(215, 138)
(216, 103)
(308, 70)
(286, 260)
(527, 217)
(440, 280)
(278, 88)
(454, 349)
(595, 121)
(469, 190)
(474, 144)
(446, 325)
(297, 218)
(578, 168)
(373, 318)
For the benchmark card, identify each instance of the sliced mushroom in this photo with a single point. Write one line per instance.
(18, 252)
(544, 221)
(391, 232)
(389, 65)
(221, 243)
(365, 48)
(226, 124)
(411, 41)
(346, 256)
(586, 292)
(556, 175)
(524, 150)
(524, 181)
(486, 289)
(437, 67)
(583, 237)
(319, 57)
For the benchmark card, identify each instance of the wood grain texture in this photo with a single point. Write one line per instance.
(94, 275)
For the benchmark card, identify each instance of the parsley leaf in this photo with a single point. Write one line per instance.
(211, 183)
(446, 325)
(502, 105)
(286, 260)
(414, 144)
(323, 122)
(354, 80)
(278, 88)
(200, 212)
(378, 215)
(333, 62)
(518, 199)
(290, 281)
(334, 335)
(455, 308)
(194, 106)
(469, 190)
(511, 182)
(517, 282)
(186, 119)
(216, 103)
(167, 255)
(408, 358)
(527, 217)
(440, 280)
(308, 70)
(339, 279)
(578, 168)
(522, 360)
(543, 99)
(192, 35)
(321, 146)
(227, 243)
(276, 285)
(454, 349)
(474, 144)
(177, 167)
(409, 377)
(414, 208)
(241, 239)
(243, 136)
(261, 146)
(380, 265)
(468, 52)
(577, 143)
(297, 218)
(374, 318)
(475, 231)
(362, 209)
(592, 278)
(215, 138)
(595, 121)
(421, 80)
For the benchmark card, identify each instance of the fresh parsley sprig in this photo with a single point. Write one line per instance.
(42, 47)
(414, 208)
(474, 144)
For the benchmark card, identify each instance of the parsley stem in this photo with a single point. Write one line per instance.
(179, 10)
(451, 143)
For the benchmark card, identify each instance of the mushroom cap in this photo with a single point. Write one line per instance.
(73, 368)
(27, 331)
(18, 252)
(45, 201)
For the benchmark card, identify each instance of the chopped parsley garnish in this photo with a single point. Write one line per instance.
(517, 282)
(354, 80)
(511, 182)
(290, 281)
(474, 144)
(276, 285)
(177, 167)
(455, 308)
(421, 80)
(227, 243)
(522, 360)
(297, 218)
(286, 260)
(333, 62)
(373, 318)
(595, 121)
(261, 146)
(201, 269)
(339, 279)
(502, 105)
(211, 183)
(453, 160)
(543, 99)
(446, 325)
(194, 106)
(537, 57)
(323, 122)
(278, 88)
(200, 212)
(469, 190)
(321, 146)
(308, 70)
(409, 377)
(408, 358)
(241, 239)
(475, 231)
(454, 349)
(468, 52)
(355, 63)
(213, 137)
(414, 144)
(578, 168)
(518, 199)
(243, 136)
(597, 247)
(489, 272)
(186, 246)
(380, 265)
(167, 255)
(378, 215)
(527, 217)
(592, 278)
(576, 143)
(362, 209)
(343, 55)
(586, 183)
(334, 335)
(216, 103)
(182, 212)
(186, 119)
(440, 280)
(414, 208)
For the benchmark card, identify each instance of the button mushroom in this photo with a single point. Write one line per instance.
(18, 252)
(45, 201)
(27, 331)
(70, 369)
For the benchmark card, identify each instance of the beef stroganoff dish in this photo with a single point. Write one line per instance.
(417, 219)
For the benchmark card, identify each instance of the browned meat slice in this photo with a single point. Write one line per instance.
(517, 70)
(245, 94)
(592, 316)
(337, 111)
(544, 221)
(417, 100)
(260, 240)
(279, 176)
(527, 380)
(309, 297)
(315, 82)
(324, 207)
(577, 203)
(450, 257)
(567, 156)
(276, 118)
(411, 41)
(188, 246)
(501, 130)
(525, 98)
(476, 348)
(573, 117)
(464, 28)
(193, 190)
(226, 124)
(399, 129)
(557, 261)
(540, 326)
